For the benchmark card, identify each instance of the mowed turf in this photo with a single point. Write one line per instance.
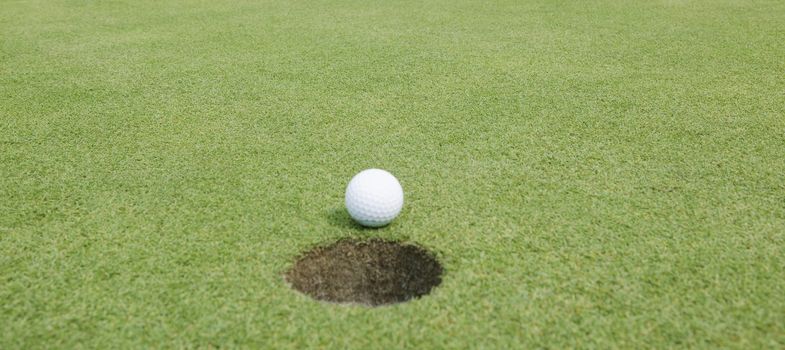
(590, 174)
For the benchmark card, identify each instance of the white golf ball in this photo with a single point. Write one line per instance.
(374, 198)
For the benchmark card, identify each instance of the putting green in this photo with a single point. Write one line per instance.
(593, 174)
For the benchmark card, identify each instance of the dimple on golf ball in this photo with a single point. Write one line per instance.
(374, 198)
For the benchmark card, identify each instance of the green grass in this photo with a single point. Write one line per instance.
(594, 174)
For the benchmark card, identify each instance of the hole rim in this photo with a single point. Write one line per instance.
(427, 255)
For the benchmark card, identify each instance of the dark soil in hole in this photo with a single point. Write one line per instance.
(373, 272)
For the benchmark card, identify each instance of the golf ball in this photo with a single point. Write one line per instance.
(374, 198)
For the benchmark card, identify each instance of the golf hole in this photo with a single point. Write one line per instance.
(373, 272)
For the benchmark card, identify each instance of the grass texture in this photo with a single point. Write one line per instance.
(593, 174)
